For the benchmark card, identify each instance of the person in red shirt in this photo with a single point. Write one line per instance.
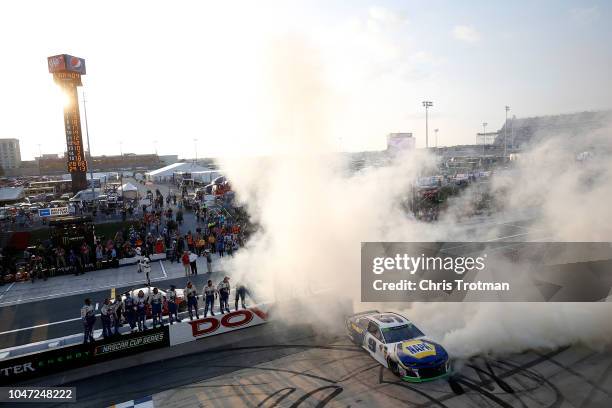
(186, 263)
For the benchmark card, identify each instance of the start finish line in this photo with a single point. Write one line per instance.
(53, 212)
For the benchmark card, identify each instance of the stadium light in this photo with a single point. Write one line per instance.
(427, 105)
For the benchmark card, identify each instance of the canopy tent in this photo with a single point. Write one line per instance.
(129, 187)
(129, 190)
(166, 173)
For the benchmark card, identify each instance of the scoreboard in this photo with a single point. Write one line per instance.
(74, 139)
(67, 71)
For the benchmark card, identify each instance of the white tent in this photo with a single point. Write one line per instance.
(166, 173)
(129, 190)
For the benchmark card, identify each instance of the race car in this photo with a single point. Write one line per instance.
(396, 343)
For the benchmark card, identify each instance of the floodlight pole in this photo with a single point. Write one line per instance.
(427, 105)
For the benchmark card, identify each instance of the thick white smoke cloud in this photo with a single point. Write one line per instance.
(314, 215)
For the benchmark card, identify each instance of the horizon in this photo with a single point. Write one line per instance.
(237, 75)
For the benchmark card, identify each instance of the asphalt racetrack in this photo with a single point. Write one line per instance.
(332, 372)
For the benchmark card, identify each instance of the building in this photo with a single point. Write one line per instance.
(167, 173)
(10, 155)
(169, 159)
(519, 132)
(400, 141)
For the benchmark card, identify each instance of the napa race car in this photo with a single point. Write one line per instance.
(396, 343)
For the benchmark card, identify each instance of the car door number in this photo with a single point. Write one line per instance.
(372, 345)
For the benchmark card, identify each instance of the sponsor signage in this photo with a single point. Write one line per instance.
(74, 139)
(53, 212)
(211, 326)
(13, 370)
(144, 341)
(66, 63)
(67, 71)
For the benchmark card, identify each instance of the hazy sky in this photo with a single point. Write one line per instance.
(228, 74)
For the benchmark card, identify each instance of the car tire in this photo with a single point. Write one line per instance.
(393, 367)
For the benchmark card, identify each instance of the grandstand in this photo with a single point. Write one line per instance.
(522, 131)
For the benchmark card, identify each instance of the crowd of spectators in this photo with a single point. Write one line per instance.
(158, 230)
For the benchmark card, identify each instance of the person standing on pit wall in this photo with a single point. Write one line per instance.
(224, 292)
(89, 320)
(156, 300)
(141, 310)
(208, 260)
(105, 317)
(241, 292)
(186, 263)
(209, 293)
(172, 306)
(129, 305)
(117, 312)
(192, 300)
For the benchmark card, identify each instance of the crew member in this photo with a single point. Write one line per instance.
(241, 292)
(105, 316)
(224, 292)
(156, 300)
(192, 300)
(145, 266)
(129, 306)
(209, 293)
(89, 319)
(141, 310)
(172, 306)
(118, 311)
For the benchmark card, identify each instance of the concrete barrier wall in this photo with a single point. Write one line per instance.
(285, 322)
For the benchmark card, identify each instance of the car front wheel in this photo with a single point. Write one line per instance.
(393, 367)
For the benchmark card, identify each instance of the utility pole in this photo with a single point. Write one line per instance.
(436, 130)
(512, 130)
(427, 105)
(506, 133)
(195, 145)
(93, 195)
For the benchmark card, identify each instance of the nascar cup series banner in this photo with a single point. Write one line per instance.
(486, 272)
(218, 324)
(53, 360)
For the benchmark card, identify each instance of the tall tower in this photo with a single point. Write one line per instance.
(67, 71)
